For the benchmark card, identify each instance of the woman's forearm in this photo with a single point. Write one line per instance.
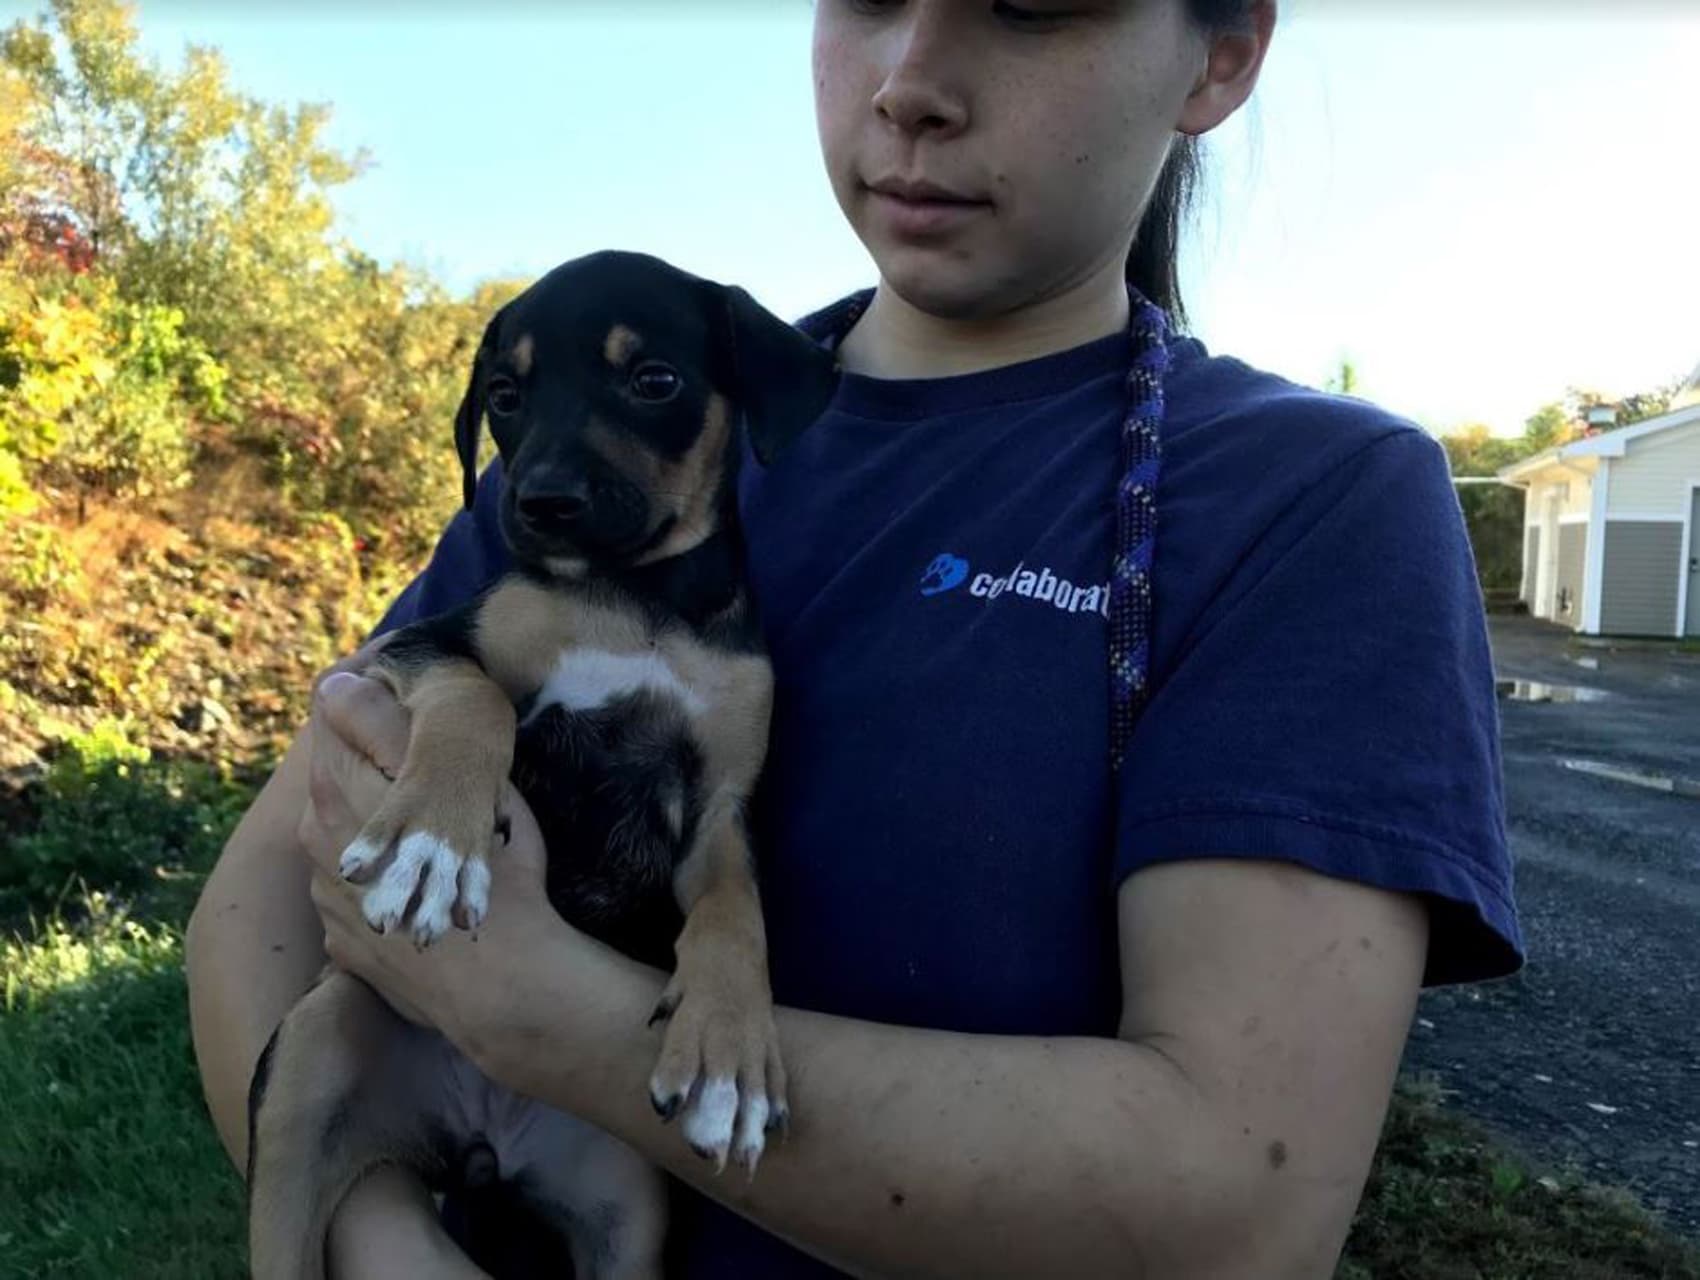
(252, 947)
(912, 1152)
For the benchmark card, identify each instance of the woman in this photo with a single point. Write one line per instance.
(1063, 993)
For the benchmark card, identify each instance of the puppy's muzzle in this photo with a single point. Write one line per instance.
(575, 510)
(554, 509)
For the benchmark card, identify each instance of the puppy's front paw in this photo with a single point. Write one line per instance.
(423, 862)
(441, 884)
(720, 1065)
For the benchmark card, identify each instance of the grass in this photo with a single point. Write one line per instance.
(1445, 1201)
(109, 1161)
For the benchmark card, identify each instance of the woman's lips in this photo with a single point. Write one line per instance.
(924, 212)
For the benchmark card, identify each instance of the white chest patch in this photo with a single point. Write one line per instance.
(584, 679)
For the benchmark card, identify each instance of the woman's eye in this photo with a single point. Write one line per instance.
(502, 397)
(1029, 19)
(655, 383)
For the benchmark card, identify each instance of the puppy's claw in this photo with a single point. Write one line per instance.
(436, 898)
(664, 1009)
(473, 899)
(709, 1153)
(753, 1120)
(666, 1108)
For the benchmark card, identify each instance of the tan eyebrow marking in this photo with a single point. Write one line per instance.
(619, 344)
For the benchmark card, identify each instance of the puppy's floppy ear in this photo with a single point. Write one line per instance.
(782, 379)
(470, 416)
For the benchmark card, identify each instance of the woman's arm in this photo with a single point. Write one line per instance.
(253, 945)
(1228, 1134)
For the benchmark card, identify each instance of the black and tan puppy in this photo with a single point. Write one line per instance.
(617, 675)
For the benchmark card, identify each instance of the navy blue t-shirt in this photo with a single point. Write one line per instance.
(939, 835)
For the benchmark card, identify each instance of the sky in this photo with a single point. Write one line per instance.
(1479, 203)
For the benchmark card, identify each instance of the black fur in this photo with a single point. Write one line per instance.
(256, 1094)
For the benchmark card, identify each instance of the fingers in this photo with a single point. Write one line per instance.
(366, 715)
(519, 840)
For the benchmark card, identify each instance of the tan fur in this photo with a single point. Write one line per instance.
(619, 345)
(732, 734)
(719, 998)
(684, 488)
(459, 752)
(695, 480)
(522, 354)
(627, 456)
(523, 627)
(333, 1039)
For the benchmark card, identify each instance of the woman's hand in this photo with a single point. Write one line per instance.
(462, 982)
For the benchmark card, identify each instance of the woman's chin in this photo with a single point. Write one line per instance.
(940, 283)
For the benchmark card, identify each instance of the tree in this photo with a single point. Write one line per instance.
(1551, 424)
(1345, 381)
(206, 214)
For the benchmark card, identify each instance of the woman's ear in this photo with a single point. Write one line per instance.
(1231, 69)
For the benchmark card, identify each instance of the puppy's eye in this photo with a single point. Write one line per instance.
(655, 382)
(502, 397)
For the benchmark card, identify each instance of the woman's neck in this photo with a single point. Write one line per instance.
(893, 339)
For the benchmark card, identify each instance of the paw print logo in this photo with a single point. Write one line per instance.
(943, 574)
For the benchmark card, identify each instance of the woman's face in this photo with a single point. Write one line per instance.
(990, 155)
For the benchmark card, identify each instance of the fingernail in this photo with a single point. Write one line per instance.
(335, 678)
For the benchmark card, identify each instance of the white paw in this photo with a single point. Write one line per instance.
(709, 1118)
(423, 865)
(474, 899)
(360, 856)
(752, 1131)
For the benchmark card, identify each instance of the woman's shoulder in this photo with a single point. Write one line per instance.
(1264, 432)
(1224, 394)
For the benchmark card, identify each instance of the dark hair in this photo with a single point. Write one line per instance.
(1153, 264)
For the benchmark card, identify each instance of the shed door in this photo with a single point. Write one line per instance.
(1693, 566)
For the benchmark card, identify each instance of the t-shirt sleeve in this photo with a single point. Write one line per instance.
(1335, 706)
(468, 557)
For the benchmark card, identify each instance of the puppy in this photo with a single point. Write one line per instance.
(617, 675)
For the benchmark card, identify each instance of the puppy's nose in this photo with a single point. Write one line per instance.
(554, 506)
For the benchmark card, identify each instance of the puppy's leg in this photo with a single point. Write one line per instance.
(424, 851)
(331, 1098)
(606, 1200)
(720, 1058)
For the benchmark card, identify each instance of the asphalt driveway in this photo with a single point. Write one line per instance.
(1591, 1056)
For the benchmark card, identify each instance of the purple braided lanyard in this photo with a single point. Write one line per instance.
(1136, 510)
(1136, 522)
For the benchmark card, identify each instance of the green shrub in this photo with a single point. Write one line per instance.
(114, 817)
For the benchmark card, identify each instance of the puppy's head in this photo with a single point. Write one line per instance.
(617, 389)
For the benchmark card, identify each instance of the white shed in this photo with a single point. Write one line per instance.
(1611, 528)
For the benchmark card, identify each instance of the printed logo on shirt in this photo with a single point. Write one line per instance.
(947, 572)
